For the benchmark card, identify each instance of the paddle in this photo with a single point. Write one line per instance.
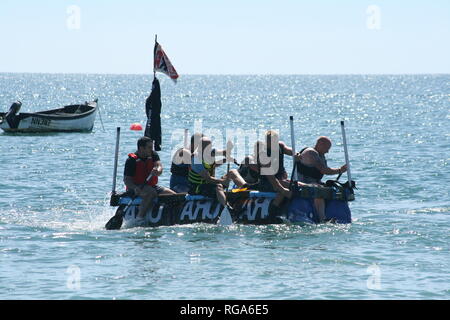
(294, 173)
(228, 171)
(116, 158)
(239, 190)
(115, 223)
(294, 176)
(350, 183)
(225, 216)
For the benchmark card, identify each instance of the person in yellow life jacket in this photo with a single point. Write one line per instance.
(138, 167)
(201, 177)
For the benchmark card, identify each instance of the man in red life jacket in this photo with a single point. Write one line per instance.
(138, 167)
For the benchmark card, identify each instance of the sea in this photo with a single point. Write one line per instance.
(55, 189)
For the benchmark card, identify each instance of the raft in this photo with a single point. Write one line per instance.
(251, 207)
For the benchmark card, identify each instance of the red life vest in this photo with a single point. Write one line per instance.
(143, 169)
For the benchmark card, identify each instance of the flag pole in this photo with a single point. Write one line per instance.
(186, 138)
(294, 172)
(116, 157)
(156, 41)
(347, 161)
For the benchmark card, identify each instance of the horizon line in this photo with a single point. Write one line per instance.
(226, 74)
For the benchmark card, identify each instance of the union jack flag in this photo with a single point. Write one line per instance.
(162, 63)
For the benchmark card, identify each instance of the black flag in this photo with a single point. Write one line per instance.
(153, 110)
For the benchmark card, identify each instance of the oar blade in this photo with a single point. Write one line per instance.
(115, 223)
(239, 190)
(225, 218)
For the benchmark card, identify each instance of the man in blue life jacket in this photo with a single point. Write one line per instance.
(181, 162)
(312, 166)
(202, 178)
(138, 167)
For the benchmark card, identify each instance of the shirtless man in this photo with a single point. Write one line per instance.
(312, 166)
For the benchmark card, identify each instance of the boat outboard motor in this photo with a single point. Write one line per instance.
(11, 116)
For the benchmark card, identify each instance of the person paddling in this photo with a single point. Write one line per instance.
(273, 175)
(312, 166)
(138, 167)
(202, 178)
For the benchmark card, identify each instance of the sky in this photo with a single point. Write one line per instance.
(226, 36)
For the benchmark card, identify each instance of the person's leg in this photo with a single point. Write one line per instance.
(275, 205)
(220, 193)
(236, 177)
(147, 195)
(278, 199)
(320, 208)
(285, 183)
(163, 190)
(180, 188)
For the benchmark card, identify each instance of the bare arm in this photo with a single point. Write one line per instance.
(286, 150)
(205, 175)
(320, 165)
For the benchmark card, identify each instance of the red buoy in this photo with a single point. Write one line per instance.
(136, 126)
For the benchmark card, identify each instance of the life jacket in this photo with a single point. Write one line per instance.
(307, 171)
(195, 178)
(143, 169)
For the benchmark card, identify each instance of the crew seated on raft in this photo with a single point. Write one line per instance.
(311, 165)
(141, 173)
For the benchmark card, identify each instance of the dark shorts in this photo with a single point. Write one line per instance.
(179, 184)
(206, 189)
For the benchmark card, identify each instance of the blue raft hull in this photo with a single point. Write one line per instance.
(303, 211)
(251, 209)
